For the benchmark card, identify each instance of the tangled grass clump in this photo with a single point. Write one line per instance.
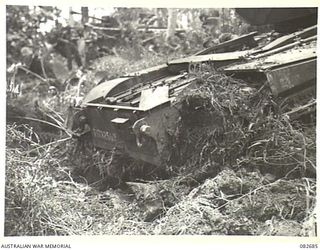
(234, 203)
(41, 197)
(231, 123)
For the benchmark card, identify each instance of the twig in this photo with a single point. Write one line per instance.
(43, 69)
(50, 116)
(249, 193)
(32, 73)
(46, 145)
(42, 121)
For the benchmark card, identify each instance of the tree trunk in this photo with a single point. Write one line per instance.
(81, 41)
(172, 22)
(85, 15)
(71, 20)
(161, 16)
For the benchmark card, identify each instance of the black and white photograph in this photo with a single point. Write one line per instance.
(160, 121)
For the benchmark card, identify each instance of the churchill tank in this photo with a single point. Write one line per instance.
(137, 112)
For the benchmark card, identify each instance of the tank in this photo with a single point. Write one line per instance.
(136, 113)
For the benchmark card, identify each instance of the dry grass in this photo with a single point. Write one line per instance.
(234, 203)
(227, 123)
(43, 199)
